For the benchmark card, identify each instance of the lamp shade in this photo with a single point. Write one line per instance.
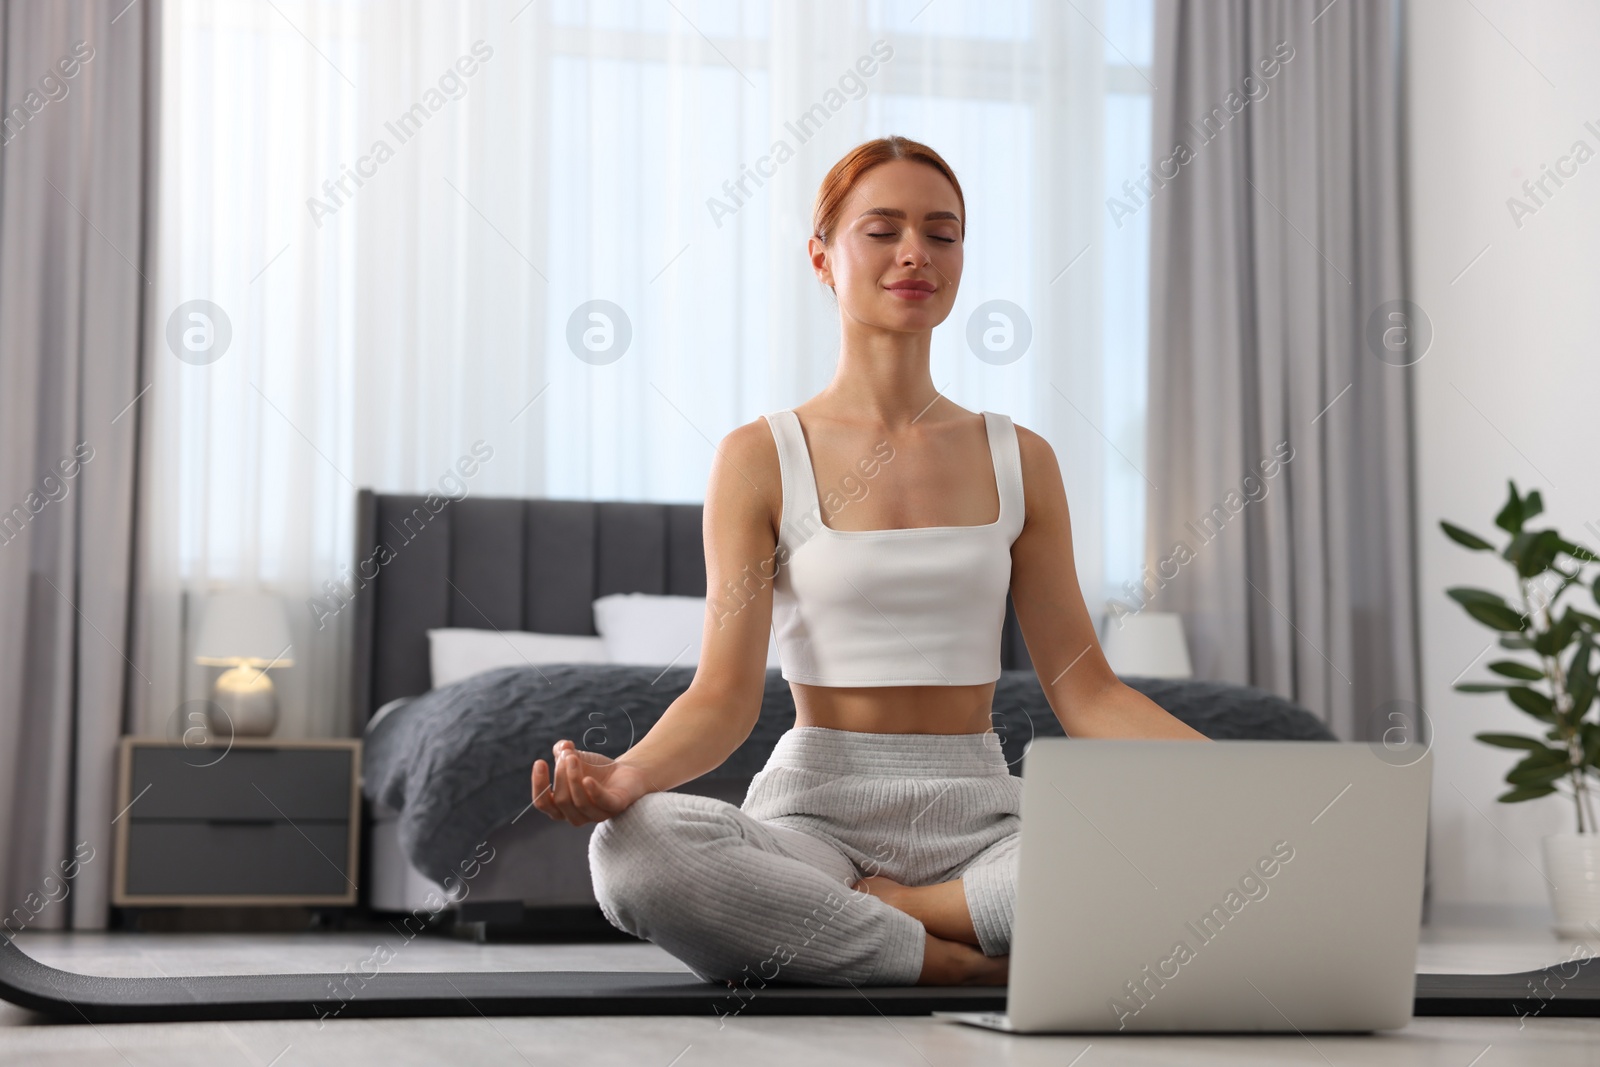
(243, 627)
(1149, 644)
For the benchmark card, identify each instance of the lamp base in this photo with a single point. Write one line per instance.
(245, 702)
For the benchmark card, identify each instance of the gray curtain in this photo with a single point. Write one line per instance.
(79, 83)
(1277, 338)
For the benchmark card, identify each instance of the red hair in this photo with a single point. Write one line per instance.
(842, 179)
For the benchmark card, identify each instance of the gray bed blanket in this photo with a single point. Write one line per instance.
(456, 762)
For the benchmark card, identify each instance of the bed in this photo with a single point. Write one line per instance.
(445, 771)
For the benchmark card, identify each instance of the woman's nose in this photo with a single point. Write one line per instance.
(914, 254)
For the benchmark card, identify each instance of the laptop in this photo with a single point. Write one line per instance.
(1182, 886)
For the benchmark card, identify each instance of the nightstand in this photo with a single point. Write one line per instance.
(260, 821)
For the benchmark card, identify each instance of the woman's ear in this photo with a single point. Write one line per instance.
(817, 252)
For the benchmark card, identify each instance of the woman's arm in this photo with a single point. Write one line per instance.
(714, 715)
(1085, 694)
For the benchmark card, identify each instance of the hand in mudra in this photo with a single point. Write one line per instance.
(586, 786)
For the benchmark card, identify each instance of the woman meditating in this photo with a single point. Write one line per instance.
(878, 844)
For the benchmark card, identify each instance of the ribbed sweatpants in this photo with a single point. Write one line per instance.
(764, 889)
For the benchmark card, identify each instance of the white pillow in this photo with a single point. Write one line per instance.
(655, 630)
(454, 654)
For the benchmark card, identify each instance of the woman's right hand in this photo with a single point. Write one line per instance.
(587, 787)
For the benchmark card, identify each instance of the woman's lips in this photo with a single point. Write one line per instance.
(911, 294)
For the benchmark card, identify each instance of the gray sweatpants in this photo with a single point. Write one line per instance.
(763, 890)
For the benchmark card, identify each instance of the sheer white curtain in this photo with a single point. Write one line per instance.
(404, 209)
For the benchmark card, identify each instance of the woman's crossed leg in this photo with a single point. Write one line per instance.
(736, 898)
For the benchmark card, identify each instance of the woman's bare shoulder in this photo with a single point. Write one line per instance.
(745, 476)
(751, 444)
(1043, 490)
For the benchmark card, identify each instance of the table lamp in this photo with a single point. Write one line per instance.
(247, 632)
(1149, 644)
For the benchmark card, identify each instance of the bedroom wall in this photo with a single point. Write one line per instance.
(1510, 387)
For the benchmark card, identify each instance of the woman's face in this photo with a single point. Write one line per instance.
(901, 224)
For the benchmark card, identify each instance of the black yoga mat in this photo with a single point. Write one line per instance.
(1570, 989)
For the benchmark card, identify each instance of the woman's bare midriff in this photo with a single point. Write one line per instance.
(899, 709)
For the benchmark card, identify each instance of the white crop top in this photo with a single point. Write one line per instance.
(921, 605)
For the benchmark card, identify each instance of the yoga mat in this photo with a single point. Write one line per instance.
(1569, 989)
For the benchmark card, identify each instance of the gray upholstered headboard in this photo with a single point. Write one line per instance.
(513, 564)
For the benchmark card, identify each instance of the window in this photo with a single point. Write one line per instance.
(606, 151)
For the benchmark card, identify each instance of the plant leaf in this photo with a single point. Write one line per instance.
(1533, 551)
(1498, 618)
(1488, 608)
(1544, 757)
(1512, 669)
(1466, 594)
(1546, 547)
(1541, 773)
(1510, 741)
(1556, 639)
(1525, 793)
(1580, 678)
(1532, 504)
(1582, 698)
(1464, 537)
(1482, 687)
(1533, 702)
(1510, 517)
(1515, 642)
(1544, 766)
(1578, 552)
(1590, 732)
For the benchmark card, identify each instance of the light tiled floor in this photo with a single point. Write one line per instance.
(689, 1041)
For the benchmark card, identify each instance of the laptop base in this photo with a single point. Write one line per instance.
(1562, 990)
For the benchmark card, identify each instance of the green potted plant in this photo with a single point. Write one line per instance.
(1551, 677)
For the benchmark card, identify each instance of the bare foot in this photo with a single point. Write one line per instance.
(952, 963)
(940, 908)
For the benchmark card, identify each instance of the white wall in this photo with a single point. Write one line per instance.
(1510, 387)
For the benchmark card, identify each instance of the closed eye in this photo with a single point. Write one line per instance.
(946, 240)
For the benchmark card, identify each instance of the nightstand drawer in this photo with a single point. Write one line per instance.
(246, 783)
(188, 858)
